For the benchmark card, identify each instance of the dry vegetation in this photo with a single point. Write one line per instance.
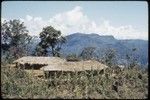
(112, 83)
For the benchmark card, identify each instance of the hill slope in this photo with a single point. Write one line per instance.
(77, 41)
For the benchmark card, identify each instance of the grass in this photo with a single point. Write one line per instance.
(124, 84)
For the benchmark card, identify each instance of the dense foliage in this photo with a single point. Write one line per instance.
(72, 57)
(88, 53)
(15, 39)
(50, 37)
(111, 84)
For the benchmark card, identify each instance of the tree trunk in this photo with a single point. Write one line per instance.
(53, 52)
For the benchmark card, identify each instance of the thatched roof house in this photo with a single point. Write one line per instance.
(75, 66)
(58, 64)
(39, 60)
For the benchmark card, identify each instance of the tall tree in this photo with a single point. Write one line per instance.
(14, 37)
(88, 53)
(110, 57)
(50, 37)
(132, 60)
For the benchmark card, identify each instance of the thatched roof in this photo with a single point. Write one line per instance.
(75, 66)
(58, 64)
(39, 60)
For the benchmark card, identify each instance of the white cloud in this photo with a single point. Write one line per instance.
(29, 18)
(3, 19)
(34, 24)
(122, 32)
(73, 21)
(76, 21)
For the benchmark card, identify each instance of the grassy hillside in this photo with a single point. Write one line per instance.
(112, 83)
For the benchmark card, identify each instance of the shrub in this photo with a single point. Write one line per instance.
(110, 57)
(72, 57)
(92, 84)
(88, 53)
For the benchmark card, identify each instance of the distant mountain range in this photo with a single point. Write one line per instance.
(77, 41)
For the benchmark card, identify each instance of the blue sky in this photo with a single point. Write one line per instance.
(117, 18)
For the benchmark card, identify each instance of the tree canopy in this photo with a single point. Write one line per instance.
(14, 37)
(50, 37)
(88, 53)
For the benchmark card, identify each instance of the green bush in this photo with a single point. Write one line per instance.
(72, 57)
(125, 84)
(88, 53)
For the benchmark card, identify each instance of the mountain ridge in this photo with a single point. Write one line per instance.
(77, 41)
